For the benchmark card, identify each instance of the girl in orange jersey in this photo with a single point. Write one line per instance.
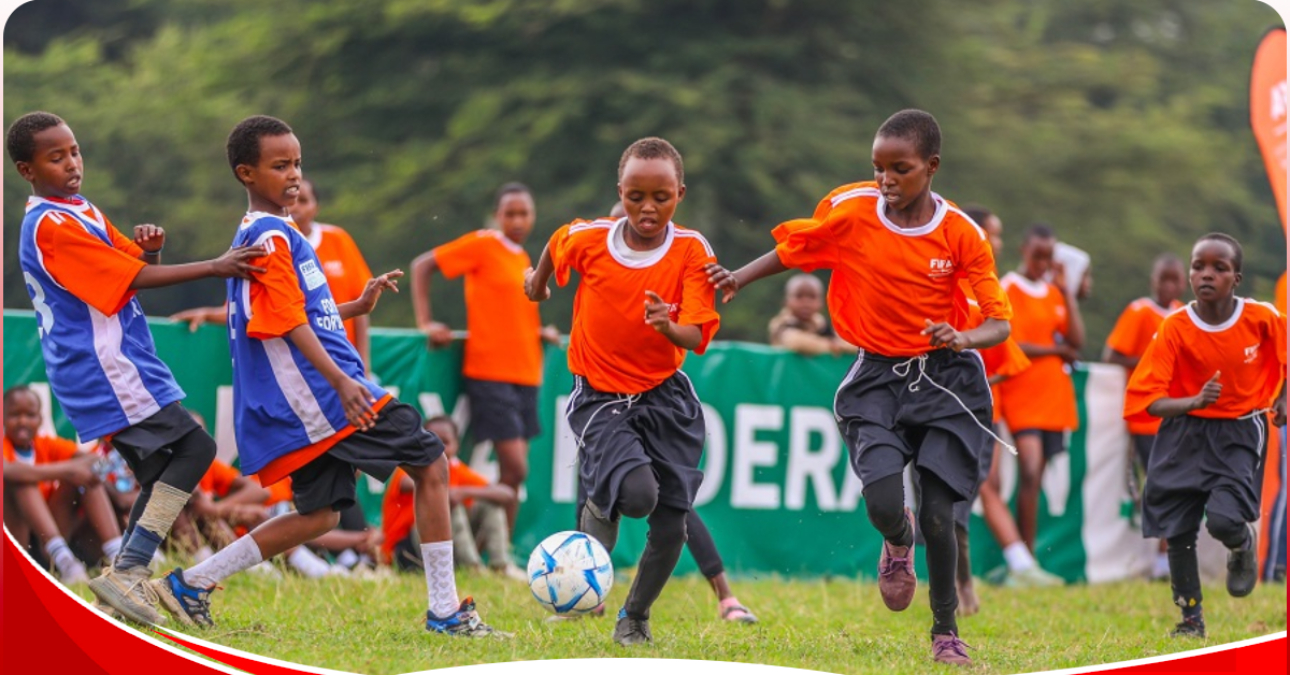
(1213, 372)
(643, 302)
(898, 252)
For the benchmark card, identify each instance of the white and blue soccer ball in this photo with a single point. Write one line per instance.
(570, 573)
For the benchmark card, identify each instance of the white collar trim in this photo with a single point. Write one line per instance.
(935, 222)
(1212, 328)
(656, 255)
(1035, 289)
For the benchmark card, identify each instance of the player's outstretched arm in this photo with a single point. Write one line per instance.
(197, 316)
(729, 283)
(353, 395)
(537, 281)
(423, 269)
(236, 262)
(371, 293)
(1173, 407)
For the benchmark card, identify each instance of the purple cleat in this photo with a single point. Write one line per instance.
(948, 648)
(896, 580)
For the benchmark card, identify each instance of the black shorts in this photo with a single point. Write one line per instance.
(1053, 442)
(501, 411)
(1201, 466)
(397, 439)
(963, 509)
(876, 408)
(1142, 449)
(662, 428)
(145, 447)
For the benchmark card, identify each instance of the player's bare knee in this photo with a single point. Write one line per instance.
(432, 475)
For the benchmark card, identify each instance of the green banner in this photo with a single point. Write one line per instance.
(779, 495)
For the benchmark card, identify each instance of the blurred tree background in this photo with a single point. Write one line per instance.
(1122, 124)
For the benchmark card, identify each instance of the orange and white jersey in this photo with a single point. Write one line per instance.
(1248, 351)
(1043, 396)
(1132, 333)
(887, 280)
(343, 264)
(1004, 359)
(611, 344)
(43, 450)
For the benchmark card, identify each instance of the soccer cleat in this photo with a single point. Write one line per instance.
(129, 593)
(948, 648)
(736, 612)
(1243, 567)
(629, 631)
(464, 622)
(1191, 627)
(75, 574)
(896, 580)
(190, 604)
(1033, 577)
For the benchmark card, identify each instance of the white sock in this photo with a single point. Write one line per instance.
(1018, 557)
(203, 554)
(441, 584)
(1162, 565)
(112, 547)
(308, 563)
(347, 558)
(59, 553)
(240, 555)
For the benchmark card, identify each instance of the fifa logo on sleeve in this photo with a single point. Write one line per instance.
(1252, 353)
(940, 267)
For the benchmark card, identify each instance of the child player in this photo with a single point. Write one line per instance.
(302, 405)
(1213, 372)
(1126, 343)
(82, 275)
(897, 251)
(643, 302)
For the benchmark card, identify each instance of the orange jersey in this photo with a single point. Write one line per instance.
(1004, 359)
(78, 261)
(1249, 350)
(45, 450)
(343, 265)
(1281, 294)
(278, 492)
(887, 280)
(1131, 335)
(504, 342)
(1043, 396)
(611, 345)
(219, 479)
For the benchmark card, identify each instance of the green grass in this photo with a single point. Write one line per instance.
(375, 626)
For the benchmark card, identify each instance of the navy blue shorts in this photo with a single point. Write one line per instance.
(397, 439)
(1142, 449)
(501, 411)
(1053, 442)
(1200, 465)
(889, 402)
(963, 509)
(662, 428)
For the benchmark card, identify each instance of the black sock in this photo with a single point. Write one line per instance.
(1184, 574)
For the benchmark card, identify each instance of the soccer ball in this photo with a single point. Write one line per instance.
(570, 573)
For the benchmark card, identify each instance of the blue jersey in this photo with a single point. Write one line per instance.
(281, 402)
(99, 355)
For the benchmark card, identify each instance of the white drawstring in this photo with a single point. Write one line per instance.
(1257, 413)
(902, 369)
(629, 399)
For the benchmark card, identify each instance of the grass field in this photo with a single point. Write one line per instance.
(375, 627)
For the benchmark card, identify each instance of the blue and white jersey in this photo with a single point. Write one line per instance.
(281, 402)
(99, 354)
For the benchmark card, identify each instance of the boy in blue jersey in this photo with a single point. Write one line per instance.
(82, 274)
(303, 406)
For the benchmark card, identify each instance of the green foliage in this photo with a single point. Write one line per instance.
(1122, 124)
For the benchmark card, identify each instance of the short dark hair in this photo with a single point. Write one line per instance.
(979, 214)
(18, 389)
(244, 141)
(1165, 259)
(312, 187)
(512, 188)
(1037, 231)
(916, 125)
(653, 148)
(443, 419)
(1238, 255)
(21, 139)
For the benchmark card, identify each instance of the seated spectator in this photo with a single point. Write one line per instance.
(224, 501)
(800, 326)
(478, 514)
(52, 492)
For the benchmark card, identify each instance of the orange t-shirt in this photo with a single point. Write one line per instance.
(504, 342)
(343, 264)
(219, 479)
(1005, 359)
(888, 280)
(611, 345)
(398, 512)
(1249, 350)
(77, 260)
(1043, 396)
(1281, 294)
(45, 450)
(1131, 335)
(278, 492)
